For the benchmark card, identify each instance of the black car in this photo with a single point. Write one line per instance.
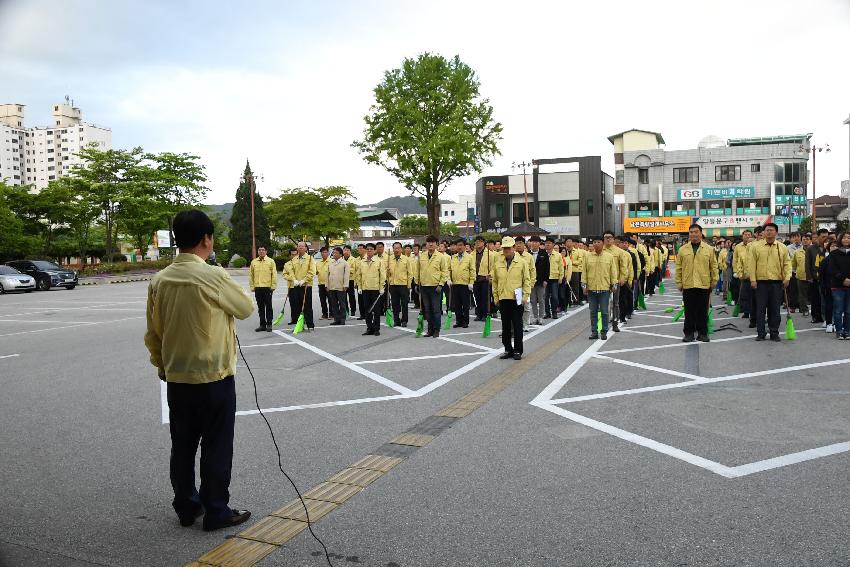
(46, 274)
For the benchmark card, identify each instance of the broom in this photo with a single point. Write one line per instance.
(599, 322)
(679, 313)
(790, 331)
(728, 296)
(710, 324)
(299, 324)
(641, 303)
(389, 320)
(488, 321)
(279, 317)
(448, 322)
(661, 288)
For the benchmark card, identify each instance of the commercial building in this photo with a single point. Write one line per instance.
(726, 186)
(461, 210)
(578, 202)
(38, 155)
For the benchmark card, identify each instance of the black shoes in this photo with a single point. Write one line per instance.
(752, 324)
(593, 336)
(604, 336)
(260, 329)
(760, 338)
(703, 338)
(189, 520)
(436, 334)
(775, 338)
(517, 356)
(688, 339)
(615, 328)
(238, 517)
(368, 333)
(506, 355)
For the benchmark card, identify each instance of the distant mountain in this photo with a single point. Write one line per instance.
(222, 210)
(406, 205)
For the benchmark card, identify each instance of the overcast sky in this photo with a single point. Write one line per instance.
(286, 84)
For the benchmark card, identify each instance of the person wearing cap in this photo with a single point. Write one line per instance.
(433, 273)
(597, 279)
(696, 275)
(461, 278)
(511, 290)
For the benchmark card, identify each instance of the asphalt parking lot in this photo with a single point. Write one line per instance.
(638, 450)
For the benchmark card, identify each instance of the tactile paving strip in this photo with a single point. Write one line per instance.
(295, 510)
(274, 530)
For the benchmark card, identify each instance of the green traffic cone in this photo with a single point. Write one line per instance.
(388, 319)
(487, 327)
(299, 325)
(448, 322)
(599, 322)
(661, 288)
(641, 301)
(679, 313)
(711, 320)
(420, 325)
(737, 310)
(790, 332)
(728, 297)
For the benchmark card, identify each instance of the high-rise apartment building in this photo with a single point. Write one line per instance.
(37, 155)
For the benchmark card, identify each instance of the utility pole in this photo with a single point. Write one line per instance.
(250, 180)
(523, 165)
(814, 150)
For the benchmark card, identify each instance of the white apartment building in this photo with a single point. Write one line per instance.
(457, 211)
(37, 155)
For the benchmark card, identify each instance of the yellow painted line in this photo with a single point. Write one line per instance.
(255, 543)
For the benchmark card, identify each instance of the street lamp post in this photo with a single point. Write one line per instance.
(523, 165)
(814, 150)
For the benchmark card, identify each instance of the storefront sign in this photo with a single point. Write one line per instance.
(716, 193)
(492, 187)
(793, 199)
(732, 221)
(656, 224)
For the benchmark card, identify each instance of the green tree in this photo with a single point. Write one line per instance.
(71, 208)
(240, 219)
(806, 224)
(415, 226)
(321, 212)
(429, 125)
(14, 242)
(178, 182)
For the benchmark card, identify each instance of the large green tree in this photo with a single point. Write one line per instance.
(416, 226)
(429, 125)
(321, 212)
(240, 219)
(177, 181)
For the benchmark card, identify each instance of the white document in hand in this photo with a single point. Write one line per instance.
(518, 294)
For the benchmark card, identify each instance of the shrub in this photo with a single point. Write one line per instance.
(239, 262)
(279, 261)
(123, 267)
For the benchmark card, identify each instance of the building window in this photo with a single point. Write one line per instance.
(497, 211)
(755, 167)
(727, 173)
(50, 150)
(643, 209)
(519, 212)
(589, 206)
(52, 177)
(49, 159)
(753, 207)
(565, 208)
(685, 174)
(643, 176)
(619, 177)
(715, 208)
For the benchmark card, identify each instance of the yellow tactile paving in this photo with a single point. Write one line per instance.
(273, 530)
(237, 552)
(295, 510)
(358, 477)
(332, 492)
(376, 463)
(412, 439)
(454, 412)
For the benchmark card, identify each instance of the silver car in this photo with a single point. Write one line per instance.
(13, 280)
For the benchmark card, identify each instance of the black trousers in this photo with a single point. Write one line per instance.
(352, 298)
(511, 325)
(769, 297)
(337, 298)
(399, 296)
(482, 298)
(205, 414)
(816, 305)
(793, 293)
(290, 293)
(460, 304)
(373, 317)
(263, 295)
(323, 299)
(303, 296)
(414, 294)
(575, 284)
(696, 311)
(627, 306)
(431, 307)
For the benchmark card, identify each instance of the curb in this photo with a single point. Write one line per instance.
(142, 279)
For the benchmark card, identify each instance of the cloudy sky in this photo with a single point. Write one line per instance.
(286, 84)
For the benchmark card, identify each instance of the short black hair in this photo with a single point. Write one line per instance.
(370, 245)
(338, 249)
(795, 233)
(607, 232)
(417, 246)
(519, 239)
(347, 246)
(534, 238)
(379, 243)
(361, 244)
(190, 227)
(396, 242)
(758, 230)
(823, 231)
(481, 238)
(323, 249)
(595, 238)
(406, 246)
(430, 238)
(772, 225)
(695, 225)
(460, 241)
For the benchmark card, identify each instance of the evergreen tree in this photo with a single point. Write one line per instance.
(240, 220)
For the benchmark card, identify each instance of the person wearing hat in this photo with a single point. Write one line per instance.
(511, 289)
(696, 275)
(597, 279)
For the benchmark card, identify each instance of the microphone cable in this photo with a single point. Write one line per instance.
(279, 458)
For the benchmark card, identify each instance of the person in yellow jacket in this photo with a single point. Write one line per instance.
(511, 290)
(482, 259)
(433, 273)
(576, 255)
(352, 275)
(290, 283)
(322, 277)
(597, 279)
(400, 276)
(371, 279)
(770, 275)
(798, 268)
(696, 275)
(521, 252)
(623, 264)
(722, 255)
(262, 279)
(556, 274)
(303, 272)
(462, 280)
(740, 267)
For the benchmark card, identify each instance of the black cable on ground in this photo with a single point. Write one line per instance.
(279, 458)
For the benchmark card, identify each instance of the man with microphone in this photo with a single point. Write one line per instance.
(191, 338)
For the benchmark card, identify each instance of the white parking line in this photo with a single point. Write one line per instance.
(9, 355)
(268, 345)
(648, 334)
(674, 323)
(380, 361)
(713, 341)
(69, 326)
(649, 367)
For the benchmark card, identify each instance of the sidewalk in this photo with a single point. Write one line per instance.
(141, 276)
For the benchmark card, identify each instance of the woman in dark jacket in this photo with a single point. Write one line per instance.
(825, 283)
(839, 280)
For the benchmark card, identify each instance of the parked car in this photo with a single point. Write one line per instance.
(13, 280)
(46, 274)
